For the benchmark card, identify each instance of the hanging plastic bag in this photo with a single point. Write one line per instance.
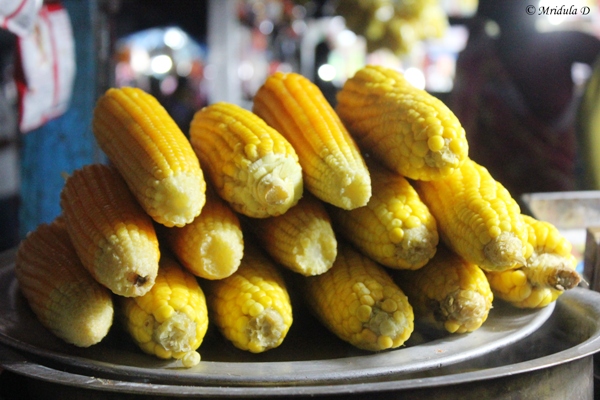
(45, 67)
(19, 16)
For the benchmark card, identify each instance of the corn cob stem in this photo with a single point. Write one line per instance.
(547, 273)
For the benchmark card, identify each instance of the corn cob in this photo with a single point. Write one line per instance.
(407, 129)
(169, 321)
(301, 240)
(212, 245)
(152, 153)
(252, 307)
(359, 302)
(332, 165)
(448, 294)
(548, 272)
(62, 294)
(395, 228)
(477, 217)
(113, 236)
(251, 165)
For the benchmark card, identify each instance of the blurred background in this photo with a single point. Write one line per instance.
(515, 78)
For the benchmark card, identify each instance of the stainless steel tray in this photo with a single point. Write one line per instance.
(309, 356)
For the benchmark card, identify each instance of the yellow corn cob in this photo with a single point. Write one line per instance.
(251, 165)
(301, 240)
(252, 307)
(548, 272)
(448, 293)
(333, 167)
(212, 245)
(153, 155)
(395, 228)
(477, 217)
(169, 321)
(360, 303)
(407, 129)
(62, 294)
(113, 236)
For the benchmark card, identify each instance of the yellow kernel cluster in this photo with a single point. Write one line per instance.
(398, 227)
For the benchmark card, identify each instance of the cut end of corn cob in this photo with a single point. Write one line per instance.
(156, 159)
(505, 251)
(212, 245)
(169, 321)
(113, 236)
(301, 240)
(251, 308)
(251, 165)
(448, 293)
(407, 129)
(332, 164)
(62, 294)
(359, 302)
(464, 311)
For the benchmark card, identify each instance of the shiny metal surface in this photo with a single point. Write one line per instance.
(555, 362)
(310, 355)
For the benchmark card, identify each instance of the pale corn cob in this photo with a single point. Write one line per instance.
(332, 166)
(448, 294)
(409, 130)
(171, 320)
(251, 165)
(301, 240)
(62, 294)
(395, 228)
(477, 217)
(548, 272)
(212, 245)
(359, 302)
(113, 236)
(155, 158)
(252, 307)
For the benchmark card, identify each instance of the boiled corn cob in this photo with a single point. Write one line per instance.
(113, 236)
(251, 165)
(359, 302)
(548, 272)
(407, 129)
(477, 217)
(169, 321)
(212, 245)
(395, 228)
(333, 167)
(448, 294)
(152, 153)
(62, 294)
(301, 240)
(252, 307)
